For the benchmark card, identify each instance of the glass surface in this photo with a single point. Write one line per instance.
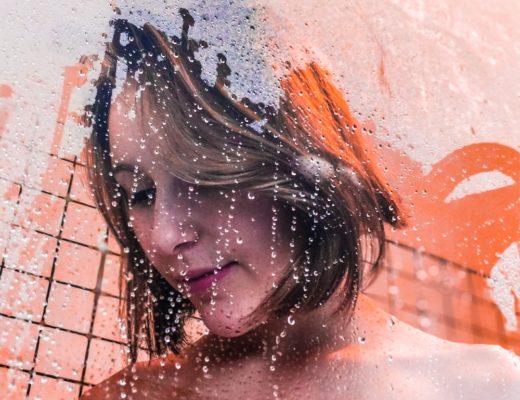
(397, 104)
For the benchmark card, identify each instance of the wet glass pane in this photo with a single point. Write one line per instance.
(259, 199)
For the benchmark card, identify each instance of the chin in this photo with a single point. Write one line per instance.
(225, 323)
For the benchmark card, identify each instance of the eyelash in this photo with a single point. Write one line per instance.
(143, 198)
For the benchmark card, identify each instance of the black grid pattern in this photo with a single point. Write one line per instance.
(33, 371)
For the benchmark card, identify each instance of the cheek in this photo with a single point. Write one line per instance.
(141, 227)
(270, 245)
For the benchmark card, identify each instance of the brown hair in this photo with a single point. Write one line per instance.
(309, 153)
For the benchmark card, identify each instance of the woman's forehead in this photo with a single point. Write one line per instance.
(123, 115)
(133, 132)
(127, 97)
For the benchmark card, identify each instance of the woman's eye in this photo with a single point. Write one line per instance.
(142, 197)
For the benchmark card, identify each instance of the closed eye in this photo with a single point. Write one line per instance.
(142, 198)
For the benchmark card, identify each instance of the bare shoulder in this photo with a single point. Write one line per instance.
(440, 369)
(498, 368)
(141, 380)
(112, 387)
(458, 370)
(473, 372)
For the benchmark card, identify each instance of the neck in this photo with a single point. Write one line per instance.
(302, 336)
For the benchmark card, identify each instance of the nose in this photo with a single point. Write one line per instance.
(173, 230)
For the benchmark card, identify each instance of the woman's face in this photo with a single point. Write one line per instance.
(224, 250)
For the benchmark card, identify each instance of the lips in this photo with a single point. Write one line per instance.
(200, 281)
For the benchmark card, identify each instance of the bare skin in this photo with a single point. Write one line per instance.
(372, 357)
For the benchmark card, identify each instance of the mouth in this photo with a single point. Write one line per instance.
(202, 282)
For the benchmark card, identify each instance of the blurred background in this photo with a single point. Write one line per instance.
(435, 87)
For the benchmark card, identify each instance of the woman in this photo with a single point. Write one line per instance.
(265, 221)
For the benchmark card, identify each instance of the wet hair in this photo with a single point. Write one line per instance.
(308, 152)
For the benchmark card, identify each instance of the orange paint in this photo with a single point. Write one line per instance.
(75, 76)
(381, 76)
(472, 231)
(6, 92)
